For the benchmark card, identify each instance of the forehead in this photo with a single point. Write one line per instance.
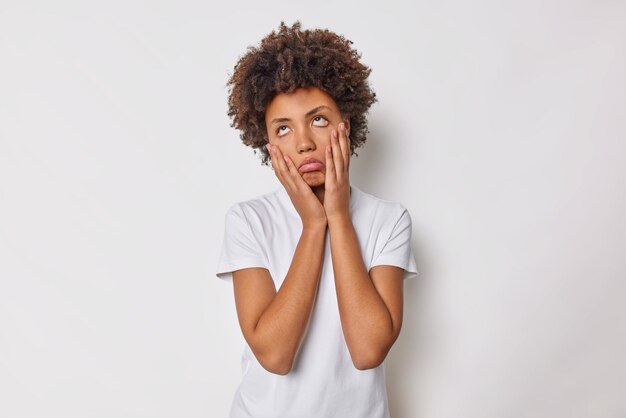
(298, 102)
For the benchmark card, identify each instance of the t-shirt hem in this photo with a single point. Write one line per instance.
(410, 270)
(225, 271)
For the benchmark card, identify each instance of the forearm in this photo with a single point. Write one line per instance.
(366, 322)
(281, 327)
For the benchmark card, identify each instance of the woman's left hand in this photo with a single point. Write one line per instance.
(337, 183)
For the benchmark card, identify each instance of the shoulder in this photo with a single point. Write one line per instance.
(258, 204)
(260, 214)
(387, 209)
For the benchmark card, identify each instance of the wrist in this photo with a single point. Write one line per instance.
(339, 219)
(315, 225)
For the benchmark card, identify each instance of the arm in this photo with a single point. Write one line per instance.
(273, 323)
(370, 307)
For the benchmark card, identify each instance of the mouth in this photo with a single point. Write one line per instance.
(310, 164)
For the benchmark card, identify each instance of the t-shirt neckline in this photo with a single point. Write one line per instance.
(284, 196)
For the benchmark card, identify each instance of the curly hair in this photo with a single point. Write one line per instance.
(291, 59)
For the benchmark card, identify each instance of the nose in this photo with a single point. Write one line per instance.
(305, 142)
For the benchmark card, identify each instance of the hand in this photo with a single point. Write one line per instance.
(304, 200)
(337, 183)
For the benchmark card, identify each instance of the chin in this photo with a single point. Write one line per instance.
(314, 178)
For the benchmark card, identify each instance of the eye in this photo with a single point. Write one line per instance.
(321, 117)
(278, 130)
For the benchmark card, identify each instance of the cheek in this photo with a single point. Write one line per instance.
(324, 138)
(292, 157)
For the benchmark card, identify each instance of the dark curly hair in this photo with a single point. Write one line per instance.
(291, 59)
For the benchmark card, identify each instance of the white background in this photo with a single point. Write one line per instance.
(500, 126)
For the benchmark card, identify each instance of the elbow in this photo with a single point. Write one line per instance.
(280, 365)
(366, 365)
(280, 369)
(369, 361)
(271, 357)
(374, 357)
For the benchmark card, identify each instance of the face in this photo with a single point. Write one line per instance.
(300, 123)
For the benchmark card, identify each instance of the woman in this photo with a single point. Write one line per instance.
(317, 265)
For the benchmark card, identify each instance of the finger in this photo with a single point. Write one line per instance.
(293, 172)
(331, 176)
(285, 170)
(298, 180)
(344, 142)
(268, 147)
(277, 167)
(337, 156)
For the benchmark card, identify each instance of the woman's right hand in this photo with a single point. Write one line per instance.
(307, 204)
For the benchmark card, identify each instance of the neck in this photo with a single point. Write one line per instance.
(320, 190)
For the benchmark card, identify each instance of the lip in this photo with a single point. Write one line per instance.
(310, 164)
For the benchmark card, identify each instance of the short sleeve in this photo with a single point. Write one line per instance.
(240, 249)
(397, 251)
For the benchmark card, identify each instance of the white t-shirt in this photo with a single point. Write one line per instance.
(323, 382)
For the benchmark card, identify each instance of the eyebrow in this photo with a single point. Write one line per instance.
(309, 113)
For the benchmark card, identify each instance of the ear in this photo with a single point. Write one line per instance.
(346, 121)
